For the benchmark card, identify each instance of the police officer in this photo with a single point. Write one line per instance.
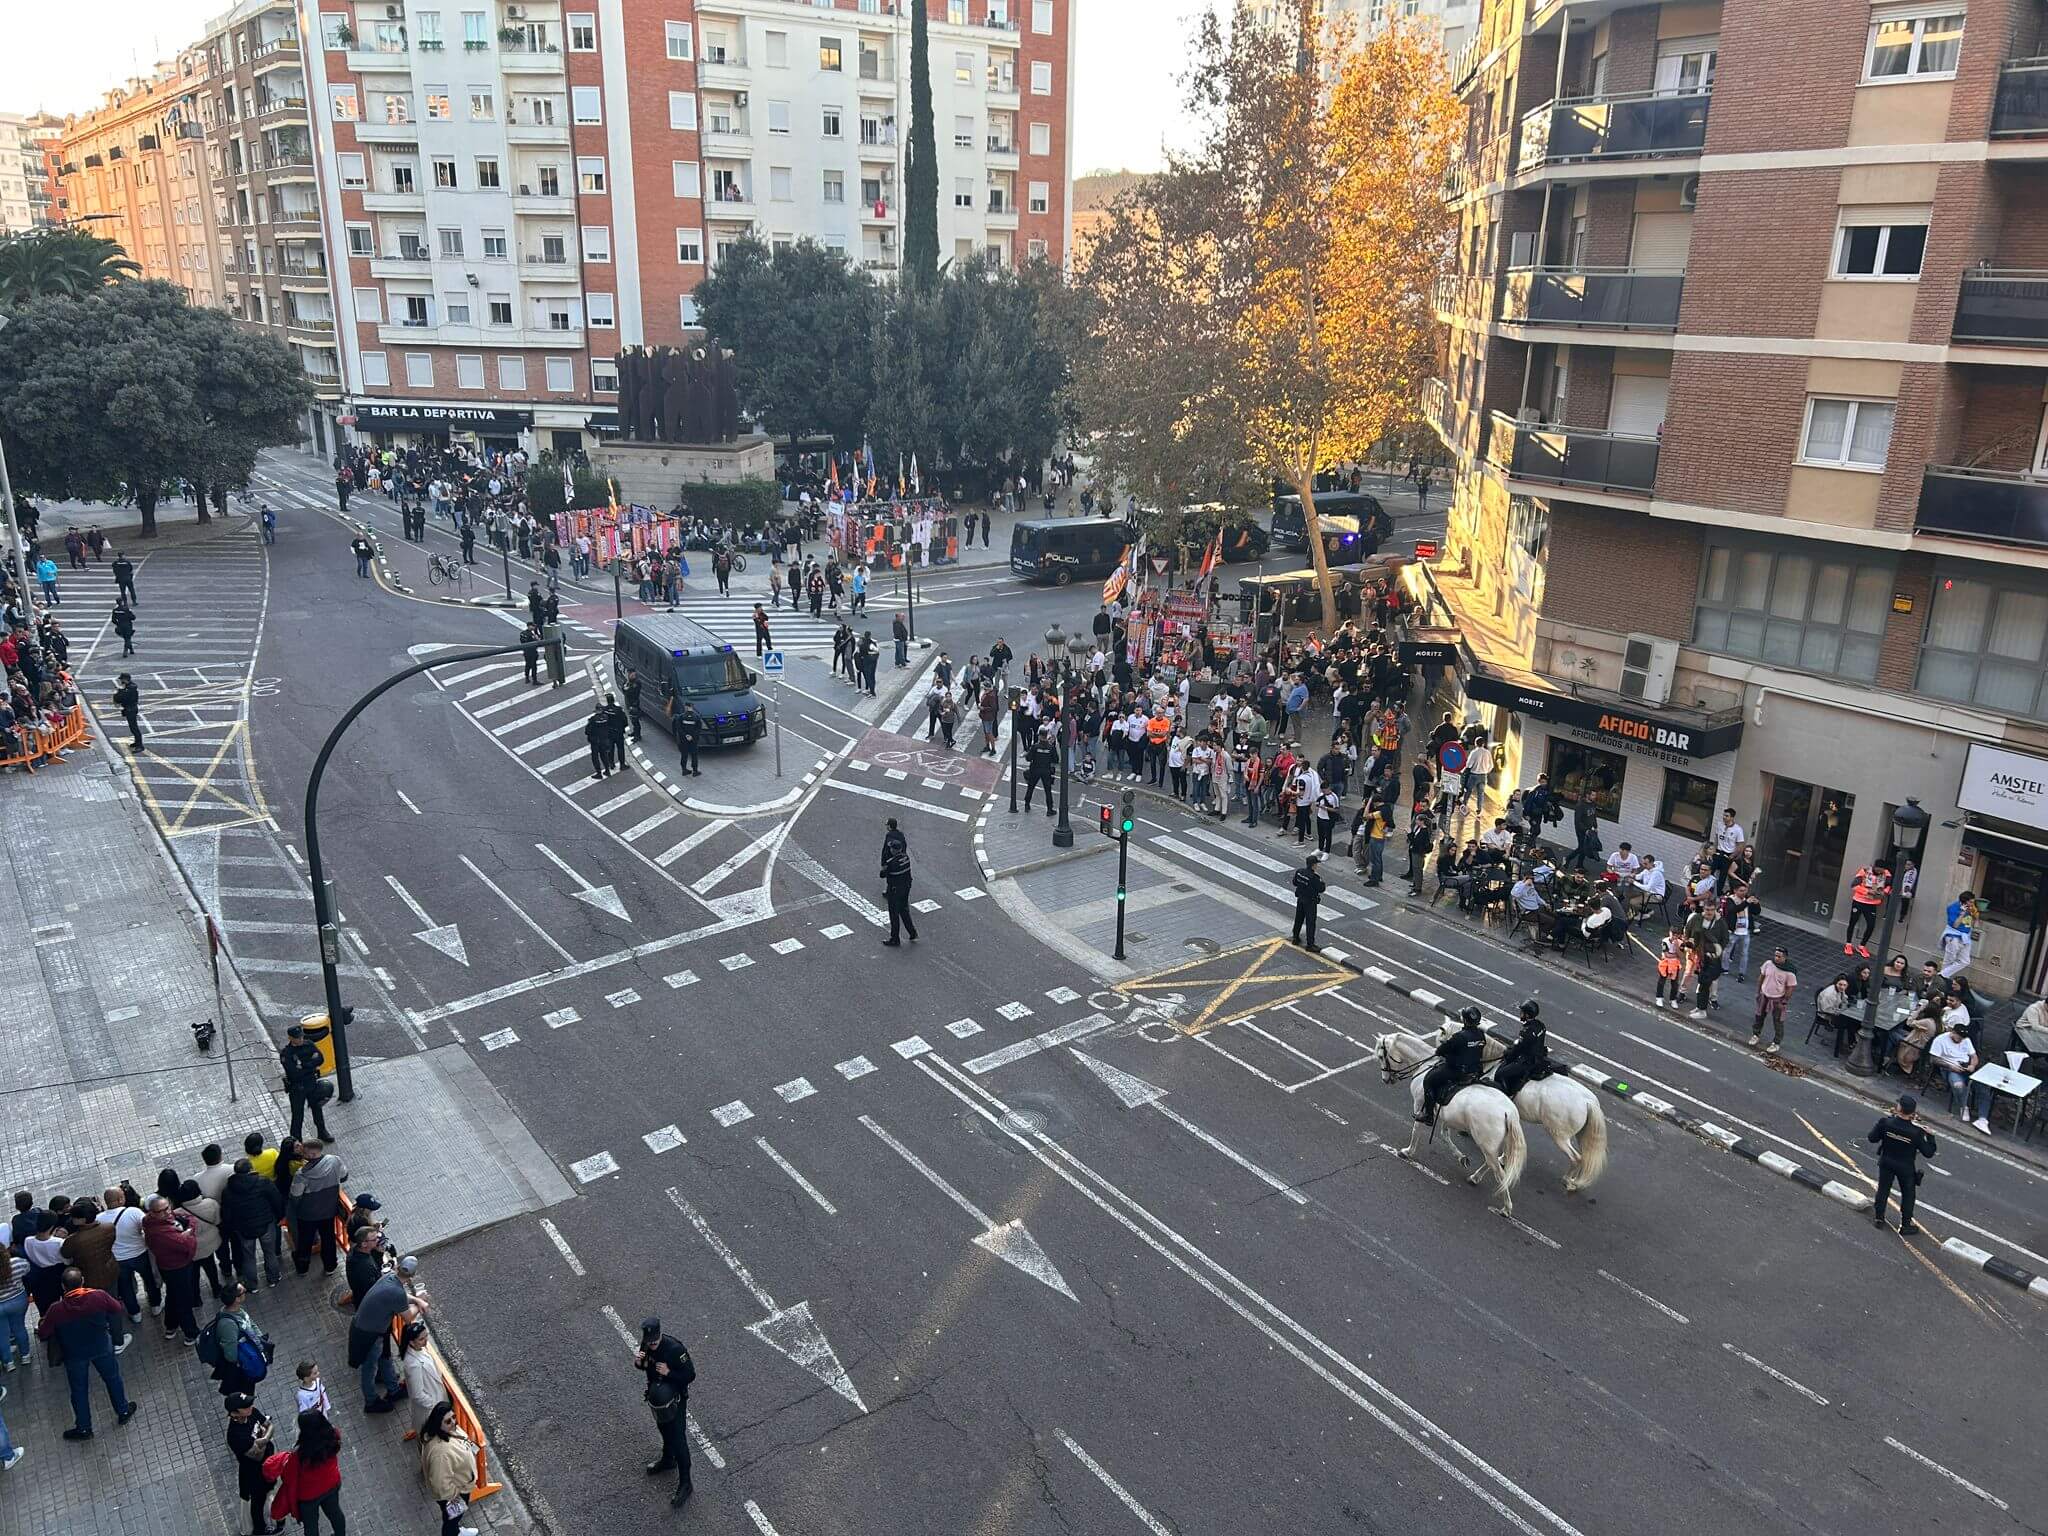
(896, 876)
(124, 626)
(666, 1364)
(687, 729)
(468, 542)
(128, 699)
(1459, 1061)
(1040, 764)
(597, 731)
(1308, 892)
(614, 733)
(633, 700)
(1900, 1140)
(1529, 1057)
(300, 1061)
(529, 647)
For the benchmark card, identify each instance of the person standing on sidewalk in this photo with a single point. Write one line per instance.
(174, 1248)
(1308, 894)
(448, 1468)
(1775, 983)
(900, 632)
(249, 1445)
(316, 1201)
(1868, 892)
(131, 1251)
(1900, 1142)
(300, 1060)
(310, 1477)
(369, 1335)
(86, 1323)
(128, 700)
(666, 1364)
(251, 1208)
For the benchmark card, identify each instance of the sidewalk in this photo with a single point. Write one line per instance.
(102, 1081)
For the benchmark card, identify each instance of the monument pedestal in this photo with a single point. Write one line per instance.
(654, 474)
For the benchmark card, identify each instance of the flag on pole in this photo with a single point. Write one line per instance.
(1210, 560)
(832, 476)
(916, 480)
(1113, 588)
(902, 485)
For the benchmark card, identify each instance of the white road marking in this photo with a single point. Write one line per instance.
(854, 1067)
(576, 700)
(760, 1520)
(618, 800)
(730, 1115)
(737, 962)
(970, 893)
(1776, 1375)
(560, 1018)
(1265, 887)
(1123, 1495)
(594, 1167)
(798, 1179)
(517, 910)
(796, 1089)
(562, 1246)
(909, 1049)
(961, 1029)
(836, 931)
(1263, 1034)
(1060, 1035)
(1528, 1231)
(1644, 1297)
(498, 1039)
(1064, 995)
(895, 773)
(883, 794)
(761, 844)
(604, 897)
(556, 734)
(680, 979)
(623, 998)
(1956, 1478)
(1653, 1046)
(503, 682)
(787, 946)
(667, 1139)
(1015, 1010)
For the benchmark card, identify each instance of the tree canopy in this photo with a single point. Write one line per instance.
(1262, 306)
(50, 263)
(131, 384)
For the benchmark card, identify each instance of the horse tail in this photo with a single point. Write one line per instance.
(1514, 1150)
(1592, 1148)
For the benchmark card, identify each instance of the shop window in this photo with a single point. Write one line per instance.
(2008, 891)
(1687, 805)
(1986, 644)
(1576, 769)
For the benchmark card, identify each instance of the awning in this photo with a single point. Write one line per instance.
(2014, 850)
(1640, 730)
(1432, 648)
(393, 416)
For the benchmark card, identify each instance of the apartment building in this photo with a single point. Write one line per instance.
(1745, 375)
(20, 172)
(135, 169)
(43, 164)
(513, 191)
(266, 198)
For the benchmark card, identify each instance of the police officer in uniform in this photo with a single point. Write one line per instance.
(1308, 891)
(128, 699)
(1900, 1140)
(529, 647)
(614, 733)
(1041, 763)
(300, 1061)
(597, 731)
(1529, 1057)
(1459, 1061)
(896, 876)
(633, 700)
(687, 730)
(666, 1364)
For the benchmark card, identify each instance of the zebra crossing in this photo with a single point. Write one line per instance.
(731, 619)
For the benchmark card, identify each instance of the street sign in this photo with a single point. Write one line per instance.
(1452, 755)
(346, 421)
(1425, 549)
(771, 663)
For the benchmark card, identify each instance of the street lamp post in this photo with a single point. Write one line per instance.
(1055, 644)
(1908, 822)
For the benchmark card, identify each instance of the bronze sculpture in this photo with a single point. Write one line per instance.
(669, 395)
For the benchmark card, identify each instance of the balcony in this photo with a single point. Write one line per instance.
(881, 211)
(728, 136)
(1436, 410)
(318, 332)
(539, 134)
(1002, 211)
(1639, 125)
(527, 202)
(1573, 456)
(399, 133)
(408, 265)
(2020, 109)
(2003, 308)
(284, 50)
(288, 220)
(1991, 505)
(544, 267)
(303, 276)
(379, 61)
(731, 204)
(1002, 151)
(524, 59)
(723, 68)
(877, 81)
(1592, 298)
(289, 168)
(881, 146)
(395, 201)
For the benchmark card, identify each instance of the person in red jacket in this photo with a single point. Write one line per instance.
(85, 1322)
(308, 1476)
(173, 1242)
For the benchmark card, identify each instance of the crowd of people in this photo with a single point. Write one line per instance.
(39, 690)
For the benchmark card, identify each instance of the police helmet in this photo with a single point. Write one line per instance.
(1469, 1016)
(1529, 1008)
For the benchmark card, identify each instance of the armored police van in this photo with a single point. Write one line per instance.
(681, 662)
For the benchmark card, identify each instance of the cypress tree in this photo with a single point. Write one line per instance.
(921, 161)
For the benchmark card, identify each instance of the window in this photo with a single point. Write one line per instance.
(437, 109)
(475, 32)
(1037, 250)
(430, 27)
(444, 174)
(1041, 197)
(689, 309)
(1041, 78)
(419, 370)
(487, 173)
(1986, 641)
(331, 25)
(369, 305)
(963, 133)
(690, 247)
(469, 372)
(600, 311)
(1041, 17)
(1910, 45)
(557, 315)
(963, 69)
(376, 370)
(777, 45)
(361, 240)
(512, 374)
(778, 117)
(549, 180)
(582, 32)
(402, 178)
(963, 191)
(956, 12)
(1686, 806)
(498, 309)
(483, 106)
(455, 308)
(689, 178)
(1880, 251)
(353, 176)
(590, 173)
(829, 58)
(585, 105)
(780, 186)
(561, 374)
(419, 311)
(554, 250)
(682, 110)
(494, 245)
(835, 186)
(1577, 771)
(597, 242)
(451, 244)
(1818, 612)
(829, 125)
(680, 43)
(604, 376)
(1847, 434)
(1041, 138)
(342, 105)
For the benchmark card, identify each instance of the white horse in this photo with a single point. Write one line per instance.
(1571, 1113)
(1479, 1112)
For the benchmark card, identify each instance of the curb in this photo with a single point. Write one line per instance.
(710, 808)
(1991, 1264)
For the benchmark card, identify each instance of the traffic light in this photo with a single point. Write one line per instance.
(1108, 829)
(1128, 822)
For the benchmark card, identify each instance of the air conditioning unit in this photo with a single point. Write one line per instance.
(393, 12)
(740, 98)
(1689, 192)
(511, 13)
(1647, 665)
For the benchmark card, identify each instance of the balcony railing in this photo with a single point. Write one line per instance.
(2008, 307)
(1592, 298)
(1637, 125)
(1436, 408)
(2020, 109)
(999, 146)
(1984, 504)
(1578, 456)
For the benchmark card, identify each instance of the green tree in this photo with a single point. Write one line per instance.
(131, 384)
(50, 263)
(920, 161)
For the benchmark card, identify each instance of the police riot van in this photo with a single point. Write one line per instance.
(1066, 549)
(681, 662)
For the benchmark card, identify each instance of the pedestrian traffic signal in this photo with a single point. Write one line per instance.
(1107, 829)
(1129, 820)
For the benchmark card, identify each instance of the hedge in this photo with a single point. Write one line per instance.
(741, 504)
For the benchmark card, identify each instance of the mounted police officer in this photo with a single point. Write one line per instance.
(1459, 1062)
(1528, 1058)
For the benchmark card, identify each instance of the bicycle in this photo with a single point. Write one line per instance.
(442, 568)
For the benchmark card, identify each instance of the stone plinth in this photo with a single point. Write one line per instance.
(654, 474)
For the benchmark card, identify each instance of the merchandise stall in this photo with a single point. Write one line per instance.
(920, 531)
(630, 531)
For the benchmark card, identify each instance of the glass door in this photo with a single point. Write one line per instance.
(1800, 842)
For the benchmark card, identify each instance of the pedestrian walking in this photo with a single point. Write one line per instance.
(123, 620)
(315, 1202)
(597, 732)
(269, 524)
(85, 1323)
(1308, 893)
(1775, 982)
(14, 1298)
(774, 586)
(666, 1364)
(362, 549)
(896, 879)
(1900, 1143)
(447, 1467)
(74, 548)
(688, 728)
(721, 567)
(299, 1058)
(128, 700)
(249, 1447)
(369, 1335)
(762, 641)
(308, 1477)
(46, 578)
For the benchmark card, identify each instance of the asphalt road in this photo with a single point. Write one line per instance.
(938, 1277)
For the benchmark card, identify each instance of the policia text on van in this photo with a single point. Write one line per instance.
(680, 662)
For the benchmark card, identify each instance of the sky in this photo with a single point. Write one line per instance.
(1125, 97)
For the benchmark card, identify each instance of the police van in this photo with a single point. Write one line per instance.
(1339, 513)
(681, 662)
(1065, 549)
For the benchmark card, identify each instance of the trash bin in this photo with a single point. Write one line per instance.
(319, 1032)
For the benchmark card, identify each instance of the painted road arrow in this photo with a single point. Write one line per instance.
(1007, 1240)
(790, 1331)
(445, 937)
(1134, 1092)
(604, 897)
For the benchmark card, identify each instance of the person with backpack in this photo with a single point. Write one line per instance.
(233, 1347)
(308, 1477)
(666, 1364)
